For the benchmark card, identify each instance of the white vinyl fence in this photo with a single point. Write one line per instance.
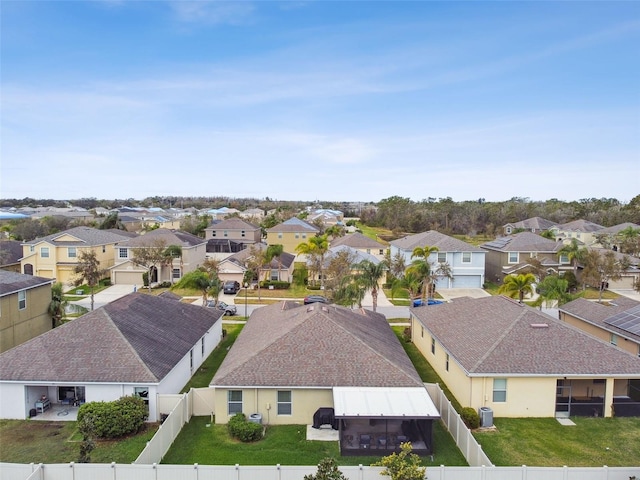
(90, 471)
(467, 444)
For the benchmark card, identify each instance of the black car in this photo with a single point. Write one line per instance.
(226, 308)
(315, 299)
(231, 287)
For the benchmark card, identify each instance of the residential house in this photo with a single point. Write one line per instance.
(252, 214)
(56, 255)
(496, 353)
(223, 235)
(355, 256)
(534, 225)
(467, 262)
(630, 274)
(221, 213)
(324, 364)
(137, 345)
(616, 321)
(362, 243)
(511, 255)
(582, 230)
(126, 272)
(326, 217)
(10, 255)
(291, 233)
(235, 266)
(24, 304)
(610, 237)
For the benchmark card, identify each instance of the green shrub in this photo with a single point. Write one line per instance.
(300, 275)
(145, 279)
(112, 419)
(470, 417)
(275, 284)
(243, 430)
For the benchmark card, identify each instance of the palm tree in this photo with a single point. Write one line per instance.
(274, 251)
(88, 271)
(517, 285)
(198, 280)
(573, 252)
(410, 282)
(629, 240)
(553, 288)
(58, 305)
(171, 252)
(368, 276)
(422, 267)
(315, 249)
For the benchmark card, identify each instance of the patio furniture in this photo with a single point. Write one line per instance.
(382, 442)
(365, 441)
(42, 405)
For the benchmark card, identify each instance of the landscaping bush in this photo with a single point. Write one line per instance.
(470, 417)
(406, 334)
(243, 430)
(145, 279)
(164, 285)
(112, 419)
(275, 284)
(300, 275)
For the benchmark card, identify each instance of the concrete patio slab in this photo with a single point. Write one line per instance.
(323, 434)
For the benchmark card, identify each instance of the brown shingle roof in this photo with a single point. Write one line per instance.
(86, 236)
(233, 223)
(169, 237)
(356, 240)
(523, 242)
(497, 335)
(137, 338)
(597, 313)
(12, 282)
(445, 243)
(286, 344)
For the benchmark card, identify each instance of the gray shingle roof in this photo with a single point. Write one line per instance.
(233, 223)
(537, 223)
(287, 344)
(597, 313)
(356, 240)
(580, 226)
(618, 228)
(497, 335)
(137, 338)
(293, 224)
(12, 282)
(523, 242)
(10, 252)
(86, 236)
(432, 238)
(169, 237)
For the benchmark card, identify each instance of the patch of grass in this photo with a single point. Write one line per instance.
(207, 370)
(593, 442)
(491, 288)
(374, 232)
(283, 444)
(26, 441)
(593, 294)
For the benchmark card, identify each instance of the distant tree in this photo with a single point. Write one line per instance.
(422, 267)
(28, 229)
(368, 278)
(548, 234)
(409, 282)
(211, 266)
(171, 252)
(601, 268)
(517, 286)
(201, 281)
(574, 252)
(112, 221)
(88, 271)
(56, 223)
(338, 268)
(553, 288)
(335, 231)
(397, 264)
(630, 240)
(150, 256)
(274, 251)
(315, 250)
(58, 305)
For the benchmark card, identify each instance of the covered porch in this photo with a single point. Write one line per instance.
(375, 421)
(586, 397)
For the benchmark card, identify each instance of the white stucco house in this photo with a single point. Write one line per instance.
(137, 345)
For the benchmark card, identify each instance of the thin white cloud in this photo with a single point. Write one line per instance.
(213, 12)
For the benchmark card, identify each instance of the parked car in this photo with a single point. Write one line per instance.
(231, 287)
(315, 299)
(430, 301)
(226, 308)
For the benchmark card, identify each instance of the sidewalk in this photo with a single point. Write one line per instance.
(107, 295)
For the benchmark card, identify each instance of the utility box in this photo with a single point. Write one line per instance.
(255, 418)
(486, 417)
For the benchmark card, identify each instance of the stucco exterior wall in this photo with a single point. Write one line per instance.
(288, 240)
(17, 326)
(622, 343)
(304, 403)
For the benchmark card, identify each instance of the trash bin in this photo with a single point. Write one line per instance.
(32, 413)
(486, 417)
(255, 418)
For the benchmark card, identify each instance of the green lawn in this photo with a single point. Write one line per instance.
(26, 441)
(592, 442)
(209, 444)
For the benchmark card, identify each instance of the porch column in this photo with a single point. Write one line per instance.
(608, 398)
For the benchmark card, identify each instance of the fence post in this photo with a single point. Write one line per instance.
(237, 471)
(360, 472)
(279, 471)
(195, 466)
(524, 472)
(113, 469)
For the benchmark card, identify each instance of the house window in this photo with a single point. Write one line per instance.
(202, 347)
(274, 275)
(44, 252)
(442, 257)
(176, 273)
(234, 401)
(123, 253)
(297, 235)
(143, 393)
(71, 252)
(284, 402)
(433, 345)
(446, 363)
(304, 235)
(22, 299)
(564, 259)
(499, 389)
(191, 359)
(32, 248)
(369, 251)
(466, 257)
(280, 235)
(225, 233)
(381, 251)
(213, 233)
(242, 233)
(104, 248)
(513, 257)
(422, 332)
(508, 230)
(613, 339)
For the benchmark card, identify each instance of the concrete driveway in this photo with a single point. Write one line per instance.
(107, 295)
(451, 293)
(628, 293)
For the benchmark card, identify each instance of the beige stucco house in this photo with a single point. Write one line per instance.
(291, 233)
(126, 272)
(24, 301)
(533, 224)
(323, 364)
(582, 230)
(56, 255)
(233, 230)
(362, 243)
(235, 266)
(496, 353)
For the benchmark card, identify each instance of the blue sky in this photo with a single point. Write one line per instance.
(325, 100)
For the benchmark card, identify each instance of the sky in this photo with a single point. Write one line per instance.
(320, 100)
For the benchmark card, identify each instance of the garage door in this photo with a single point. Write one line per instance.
(467, 281)
(127, 278)
(625, 283)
